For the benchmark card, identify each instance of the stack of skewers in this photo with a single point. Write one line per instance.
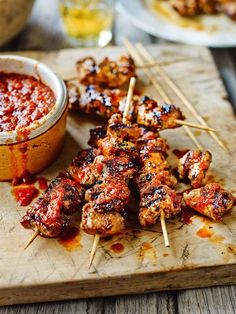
(128, 152)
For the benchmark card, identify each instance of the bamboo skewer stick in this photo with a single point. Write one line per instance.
(34, 236)
(125, 115)
(180, 94)
(164, 229)
(193, 125)
(94, 248)
(157, 86)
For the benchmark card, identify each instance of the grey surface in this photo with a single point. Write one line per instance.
(43, 32)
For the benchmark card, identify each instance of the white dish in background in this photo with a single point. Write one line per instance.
(218, 30)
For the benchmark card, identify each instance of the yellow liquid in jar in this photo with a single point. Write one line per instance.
(85, 22)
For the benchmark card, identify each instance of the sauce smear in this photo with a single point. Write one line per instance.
(71, 239)
(117, 247)
(204, 232)
(25, 194)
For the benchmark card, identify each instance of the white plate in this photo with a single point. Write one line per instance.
(218, 30)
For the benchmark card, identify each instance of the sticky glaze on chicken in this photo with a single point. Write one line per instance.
(211, 200)
(155, 182)
(51, 213)
(149, 114)
(103, 103)
(107, 74)
(81, 168)
(144, 111)
(112, 168)
(155, 199)
(102, 223)
(193, 166)
(109, 195)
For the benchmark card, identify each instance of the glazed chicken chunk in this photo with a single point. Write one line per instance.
(108, 73)
(102, 223)
(193, 166)
(50, 214)
(157, 199)
(109, 195)
(210, 200)
(152, 115)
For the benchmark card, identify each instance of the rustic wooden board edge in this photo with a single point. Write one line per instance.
(141, 283)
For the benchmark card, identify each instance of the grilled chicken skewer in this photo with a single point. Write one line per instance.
(51, 213)
(144, 111)
(155, 183)
(106, 74)
(106, 150)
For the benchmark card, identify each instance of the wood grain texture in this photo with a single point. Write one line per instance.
(217, 300)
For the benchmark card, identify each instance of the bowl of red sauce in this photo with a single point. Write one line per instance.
(33, 111)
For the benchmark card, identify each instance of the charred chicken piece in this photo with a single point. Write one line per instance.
(193, 165)
(210, 200)
(116, 147)
(123, 131)
(109, 195)
(150, 114)
(155, 178)
(103, 103)
(81, 169)
(108, 73)
(116, 167)
(51, 212)
(157, 199)
(102, 223)
(96, 134)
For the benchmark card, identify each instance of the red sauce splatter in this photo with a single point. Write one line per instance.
(24, 190)
(43, 183)
(71, 239)
(204, 232)
(28, 178)
(25, 194)
(117, 247)
(180, 153)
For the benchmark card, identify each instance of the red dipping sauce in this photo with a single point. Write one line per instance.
(23, 100)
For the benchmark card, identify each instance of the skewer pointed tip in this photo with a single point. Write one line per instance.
(94, 249)
(34, 236)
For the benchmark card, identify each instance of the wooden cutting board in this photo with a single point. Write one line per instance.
(202, 253)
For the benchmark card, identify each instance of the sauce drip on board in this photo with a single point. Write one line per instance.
(24, 194)
(24, 190)
(204, 232)
(117, 247)
(71, 239)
